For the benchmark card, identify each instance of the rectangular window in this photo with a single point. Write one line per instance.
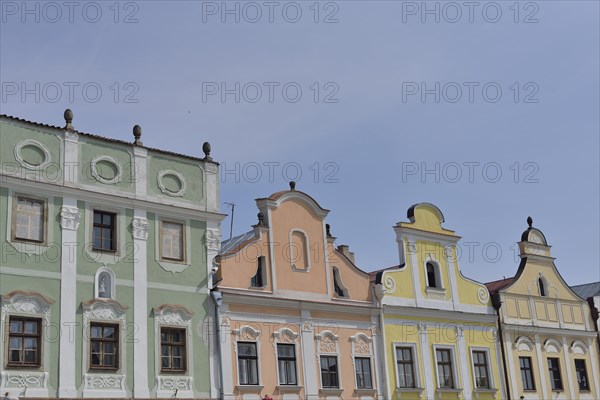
(29, 220)
(247, 363)
(104, 233)
(24, 336)
(581, 371)
(526, 373)
(363, 373)
(286, 360)
(258, 280)
(104, 346)
(172, 349)
(480, 365)
(444, 366)
(172, 240)
(329, 372)
(555, 378)
(406, 367)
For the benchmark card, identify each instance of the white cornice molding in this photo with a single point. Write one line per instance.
(442, 314)
(549, 331)
(121, 199)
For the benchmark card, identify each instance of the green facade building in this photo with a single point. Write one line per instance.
(106, 256)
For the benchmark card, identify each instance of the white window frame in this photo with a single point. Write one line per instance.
(337, 278)
(416, 371)
(172, 265)
(490, 376)
(25, 246)
(456, 378)
(104, 256)
(292, 338)
(183, 241)
(438, 274)
(335, 338)
(263, 271)
(44, 219)
(369, 341)
(247, 334)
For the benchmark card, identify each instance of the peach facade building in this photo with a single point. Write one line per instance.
(297, 318)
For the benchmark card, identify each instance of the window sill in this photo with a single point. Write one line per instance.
(250, 388)
(33, 367)
(485, 390)
(435, 293)
(332, 391)
(441, 391)
(366, 391)
(289, 388)
(410, 390)
(173, 372)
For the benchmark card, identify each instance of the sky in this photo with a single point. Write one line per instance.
(489, 110)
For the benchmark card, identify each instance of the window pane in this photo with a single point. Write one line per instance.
(16, 326)
(31, 327)
(30, 356)
(109, 332)
(285, 350)
(247, 349)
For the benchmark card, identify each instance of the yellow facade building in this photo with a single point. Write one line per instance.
(439, 327)
(547, 333)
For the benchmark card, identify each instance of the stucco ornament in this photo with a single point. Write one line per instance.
(104, 310)
(389, 285)
(34, 165)
(96, 381)
(483, 295)
(362, 344)
(327, 342)
(139, 228)
(174, 383)
(176, 178)
(69, 218)
(101, 167)
(24, 379)
(212, 240)
(285, 335)
(26, 303)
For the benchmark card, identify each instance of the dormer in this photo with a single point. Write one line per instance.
(533, 243)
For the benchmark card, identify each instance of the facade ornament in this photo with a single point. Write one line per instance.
(212, 239)
(69, 218)
(139, 228)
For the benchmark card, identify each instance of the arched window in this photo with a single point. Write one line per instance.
(105, 284)
(260, 278)
(432, 276)
(542, 287)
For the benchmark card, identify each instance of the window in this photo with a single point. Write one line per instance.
(363, 373)
(104, 346)
(444, 366)
(104, 237)
(29, 220)
(258, 279)
(172, 240)
(554, 369)
(480, 365)
(432, 279)
(299, 251)
(286, 360)
(406, 367)
(24, 342)
(172, 349)
(581, 372)
(526, 373)
(329, 372)
(542, 287)
(247, 363)
(338, 287)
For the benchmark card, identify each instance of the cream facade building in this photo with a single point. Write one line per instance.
(548, 338)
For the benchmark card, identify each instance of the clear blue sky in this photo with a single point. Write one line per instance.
(376, 58)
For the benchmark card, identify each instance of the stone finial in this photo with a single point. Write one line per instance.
(206, 150)
(137, 134)
(328, 230)
(292, 185)
(530, 221)
(68, 119)
(261, 219)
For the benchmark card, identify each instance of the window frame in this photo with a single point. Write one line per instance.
(585, 374)
(337, 370)
(338, 284)
(292, 359)
(183, 241)
(254, 358)
(452, 363)
(114, 227)
(260, 271)
(413, 349)
(23, 336)
(171, 344)
(529, 369)
(475, 366)
(542, 287)
(552, 369)
(363, 359)
(116, 326)
(44, 219)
